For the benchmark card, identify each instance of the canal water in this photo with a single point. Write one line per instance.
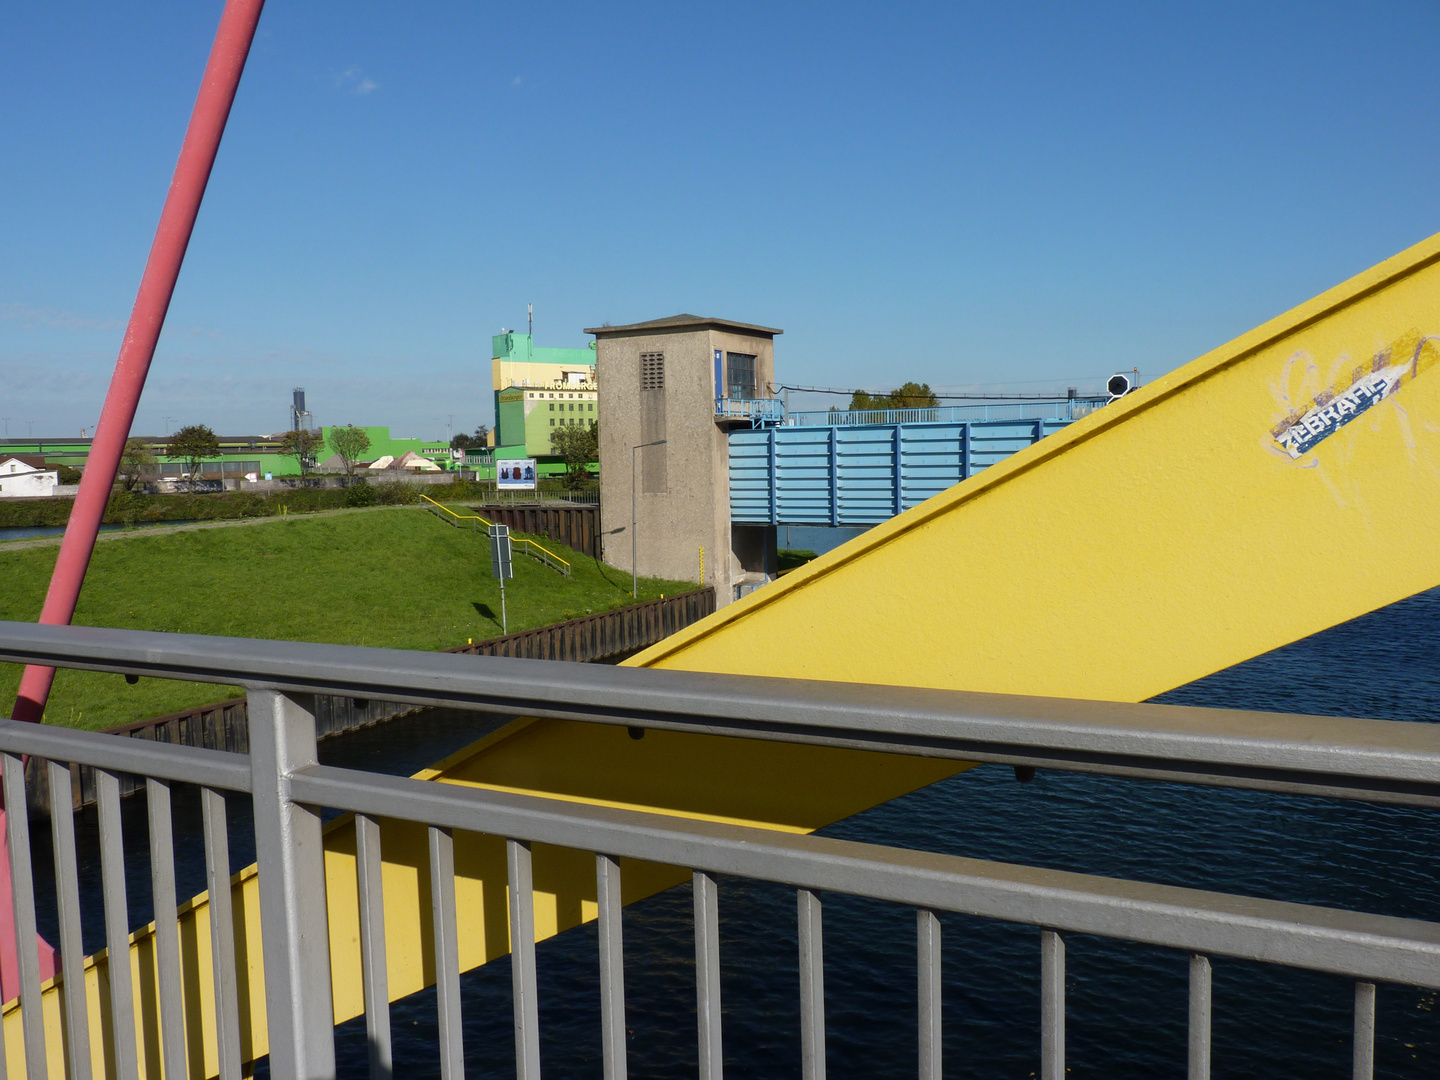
(35, 532)
(1126, 1004)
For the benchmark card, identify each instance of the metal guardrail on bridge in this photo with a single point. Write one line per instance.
(1364, 759)
(224, 725)
(1065, 410)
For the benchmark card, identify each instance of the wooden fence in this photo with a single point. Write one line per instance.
(577, 527)
(606, 636)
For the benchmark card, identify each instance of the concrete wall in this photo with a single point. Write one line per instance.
(681, 489)
(28, 485)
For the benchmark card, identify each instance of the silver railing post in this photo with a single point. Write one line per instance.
(707, 976)
(289, 853)
(812, 985)
(1201, 992)
(1052, 1006)
(1364, 1056)
(927, 942)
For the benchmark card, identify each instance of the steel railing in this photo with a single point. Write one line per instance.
(1364, 759)
(1062, 409)
(528, 547)
(758, 411)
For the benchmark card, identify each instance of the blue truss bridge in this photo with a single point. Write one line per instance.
(842, 468)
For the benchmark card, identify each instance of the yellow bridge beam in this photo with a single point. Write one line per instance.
(1279, 485)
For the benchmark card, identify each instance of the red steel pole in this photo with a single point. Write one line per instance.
(182, 204)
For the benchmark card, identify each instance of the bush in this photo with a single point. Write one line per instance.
(361, 494)
(458, 490)
(393, 493)
(31, 513)
(138, 508)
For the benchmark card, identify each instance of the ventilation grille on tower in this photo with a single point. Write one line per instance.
(652, 371)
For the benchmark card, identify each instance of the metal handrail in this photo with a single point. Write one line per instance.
(1371, 759)
(1321, 939)
(1065, 409)
(1381, 760)
(529, 547)
(750, 408)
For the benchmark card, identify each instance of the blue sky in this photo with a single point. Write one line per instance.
(1023, 195)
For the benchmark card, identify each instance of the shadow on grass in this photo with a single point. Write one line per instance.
(601, 568)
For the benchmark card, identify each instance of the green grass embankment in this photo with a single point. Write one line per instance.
(392, 578)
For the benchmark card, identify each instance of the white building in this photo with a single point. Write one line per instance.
(26, 478)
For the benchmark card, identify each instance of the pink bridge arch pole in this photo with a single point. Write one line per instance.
(147, 318)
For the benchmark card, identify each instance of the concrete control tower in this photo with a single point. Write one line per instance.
(686, 380)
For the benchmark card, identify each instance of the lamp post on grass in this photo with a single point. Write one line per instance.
(634, 548)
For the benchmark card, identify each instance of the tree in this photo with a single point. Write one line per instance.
(913, 395)
(462, 442)
(136, 460)
(350, 442)
(191, 445)
(910, 395)
(579, 445)
(470, 442)
(302, 445)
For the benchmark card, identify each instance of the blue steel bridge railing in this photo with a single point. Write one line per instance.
(842, 475)
(763, 412)
(1065, 409)
(1373, 760)
(759, 411)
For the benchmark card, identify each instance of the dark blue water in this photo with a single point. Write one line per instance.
(33, 532)
(1126, 1004)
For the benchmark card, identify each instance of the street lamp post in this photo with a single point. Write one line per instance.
(634, 548)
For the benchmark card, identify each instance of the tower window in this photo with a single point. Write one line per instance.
(742, 375)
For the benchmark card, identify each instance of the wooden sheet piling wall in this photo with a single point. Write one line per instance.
(577, 527)
(605, 635)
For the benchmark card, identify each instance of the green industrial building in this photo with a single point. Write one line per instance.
(538, 391)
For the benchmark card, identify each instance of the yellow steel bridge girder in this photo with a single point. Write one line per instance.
(1165, 537)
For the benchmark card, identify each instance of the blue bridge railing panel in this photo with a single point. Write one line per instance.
(848, 474)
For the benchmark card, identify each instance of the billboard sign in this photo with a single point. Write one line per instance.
(516, 474)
